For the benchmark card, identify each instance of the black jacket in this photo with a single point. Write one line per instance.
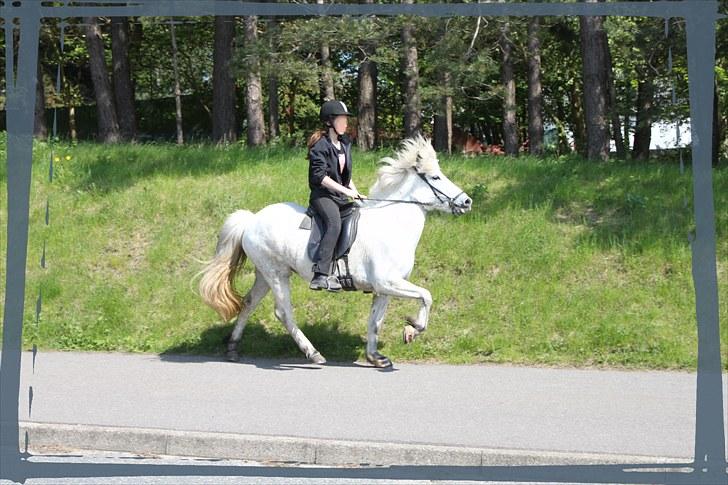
(323, 160)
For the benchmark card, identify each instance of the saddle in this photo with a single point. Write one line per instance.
(347, 236)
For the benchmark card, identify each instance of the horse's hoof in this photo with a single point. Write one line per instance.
(409, 334)
(232, 356)
(317, 358)
(379, 360)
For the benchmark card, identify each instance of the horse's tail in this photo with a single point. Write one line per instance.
(217, 287)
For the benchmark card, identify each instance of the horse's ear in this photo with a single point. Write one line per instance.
(418, 163)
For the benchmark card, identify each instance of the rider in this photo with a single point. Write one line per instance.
(329, 177)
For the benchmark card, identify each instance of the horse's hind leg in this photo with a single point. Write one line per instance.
(376, 318)
(250, 301)
(281, 288)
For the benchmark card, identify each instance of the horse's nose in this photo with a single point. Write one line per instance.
(467, 202)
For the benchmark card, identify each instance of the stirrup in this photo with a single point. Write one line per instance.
(347, 282)
(333, 279)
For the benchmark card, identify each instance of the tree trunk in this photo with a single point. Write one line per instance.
(136, 33)
(327, 80)
(291, 110)
(562, 144)
(717, 128)
(594, 75)
(274, 129)
(448, 112)
(412, 106)
(123, 87)
(69, 101)
(367, 108)
(643, 130)
(223, 84)
(40, 130)
(439, 131)
(108, 124)
(626, 127)
(72, 123)
(254, 95)
(442, 131)
(535, 119)
(577, 120)
(177, 88)
(367, 115)
(510, 125)
(613, 108)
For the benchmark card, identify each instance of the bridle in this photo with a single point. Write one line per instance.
(445, 198)
(441, 196)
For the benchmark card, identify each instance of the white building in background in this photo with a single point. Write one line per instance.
(670, 135)
(664, 135)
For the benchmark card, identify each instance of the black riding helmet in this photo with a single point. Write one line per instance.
(331, 109)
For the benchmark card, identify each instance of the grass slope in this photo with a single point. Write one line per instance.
(562, 261)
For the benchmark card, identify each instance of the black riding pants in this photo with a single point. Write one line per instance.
(330, 214)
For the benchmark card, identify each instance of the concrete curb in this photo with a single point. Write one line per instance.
(282, 449)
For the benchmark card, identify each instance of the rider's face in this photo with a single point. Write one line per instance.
(340, 123)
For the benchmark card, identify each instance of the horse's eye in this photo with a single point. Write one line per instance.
(436, 177)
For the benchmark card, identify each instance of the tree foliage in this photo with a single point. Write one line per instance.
(466, 48)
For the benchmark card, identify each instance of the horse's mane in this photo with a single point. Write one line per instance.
(393, 170)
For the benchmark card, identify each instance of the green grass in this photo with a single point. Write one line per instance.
(562, 261)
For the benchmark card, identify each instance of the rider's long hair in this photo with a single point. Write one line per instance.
(313, 139)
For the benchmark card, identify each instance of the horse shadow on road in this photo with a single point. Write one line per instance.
(271, 350)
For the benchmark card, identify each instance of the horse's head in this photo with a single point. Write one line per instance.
(416, 170)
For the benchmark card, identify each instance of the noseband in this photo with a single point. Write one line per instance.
(450, 201)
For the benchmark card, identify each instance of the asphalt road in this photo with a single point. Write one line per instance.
(486, 406)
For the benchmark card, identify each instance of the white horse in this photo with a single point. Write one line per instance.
(380, 260)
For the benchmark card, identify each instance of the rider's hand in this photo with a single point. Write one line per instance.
(359, 199)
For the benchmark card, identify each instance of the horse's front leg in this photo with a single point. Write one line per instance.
(405, 289)
(376, 318)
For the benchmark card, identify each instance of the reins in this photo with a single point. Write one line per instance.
(445, 198)
(397, 201)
